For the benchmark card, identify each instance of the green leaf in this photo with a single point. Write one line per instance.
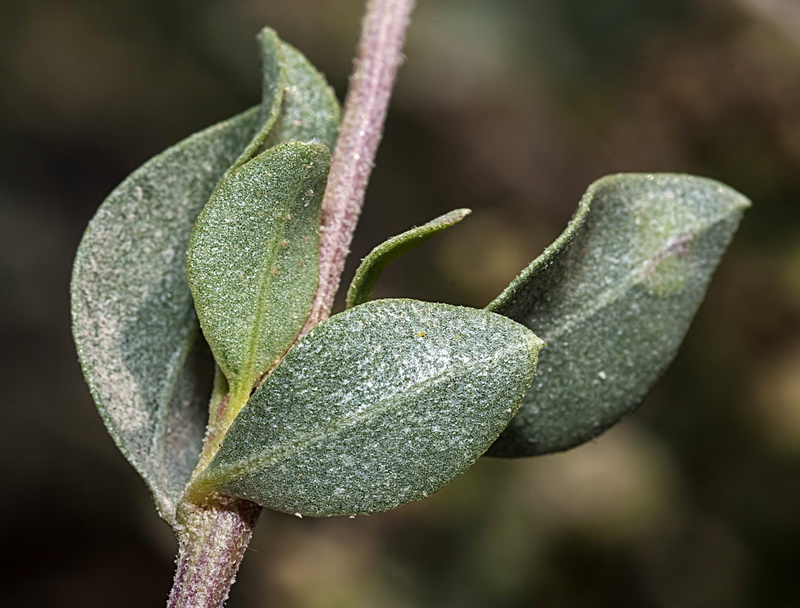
(297, 103)
(274, 80)
(310, 110)
(147, 365)
(378, 406)
(372, 266)
(613, 297)
(253, 260)
(144, 359)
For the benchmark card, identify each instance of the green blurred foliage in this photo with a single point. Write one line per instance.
(512, 109)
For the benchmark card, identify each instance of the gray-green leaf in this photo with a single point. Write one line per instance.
(613, 297)
(274, 80)
(253, 259)
(372, 266)
(148, 367)
(376, 407)
(144, 359)
(297, 103)
(310, 110)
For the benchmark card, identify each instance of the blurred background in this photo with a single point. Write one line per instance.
(510, 108)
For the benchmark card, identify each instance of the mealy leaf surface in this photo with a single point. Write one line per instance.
(612, 298)
(253, 259)
(310, 110)
(378, 406)
(147, 365)
(141, 349)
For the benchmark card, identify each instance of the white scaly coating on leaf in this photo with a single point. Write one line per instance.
(613, 297)
(310, 110)
(146, 363)
(378, 406)
(297, 102)
(141, 350)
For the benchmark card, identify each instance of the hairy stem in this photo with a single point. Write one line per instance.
(379, 56)
(215, 531)
(212, 539)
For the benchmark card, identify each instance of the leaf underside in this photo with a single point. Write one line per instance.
(376, 407)
(148, 367)
(253, 258)
(274, 80)
(612, 298)
(371, 267)
(141, 350)
(310, 110)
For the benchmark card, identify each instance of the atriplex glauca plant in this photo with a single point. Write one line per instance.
(209, 275)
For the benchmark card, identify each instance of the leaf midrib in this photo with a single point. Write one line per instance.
(177, 364)
(259, 328)
(245, 466)
(614, 294)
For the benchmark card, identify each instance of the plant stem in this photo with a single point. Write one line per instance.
(379, 56)
(212, 539)
(213, 536)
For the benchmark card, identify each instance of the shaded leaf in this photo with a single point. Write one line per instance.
(310, 110)
(274, 80)
(613, 297)
(376, 407)
(146, 363)
(368, 273)
(253, 260)
(297, 102)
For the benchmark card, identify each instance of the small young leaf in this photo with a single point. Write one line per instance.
(253, 259)
(372, 266)
(613, 297)
(148, 367)
(274, 80)
(310, 110)
(297, 103)
(378, 406)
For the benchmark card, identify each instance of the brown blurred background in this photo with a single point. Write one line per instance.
(510, 108)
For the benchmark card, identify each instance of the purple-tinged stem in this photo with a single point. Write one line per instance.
(379, 56)
(212, 537)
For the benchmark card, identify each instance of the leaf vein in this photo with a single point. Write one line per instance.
(283, 451)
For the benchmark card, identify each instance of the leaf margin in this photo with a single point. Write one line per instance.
(372, 266)
(513, 443)
(211, 479)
